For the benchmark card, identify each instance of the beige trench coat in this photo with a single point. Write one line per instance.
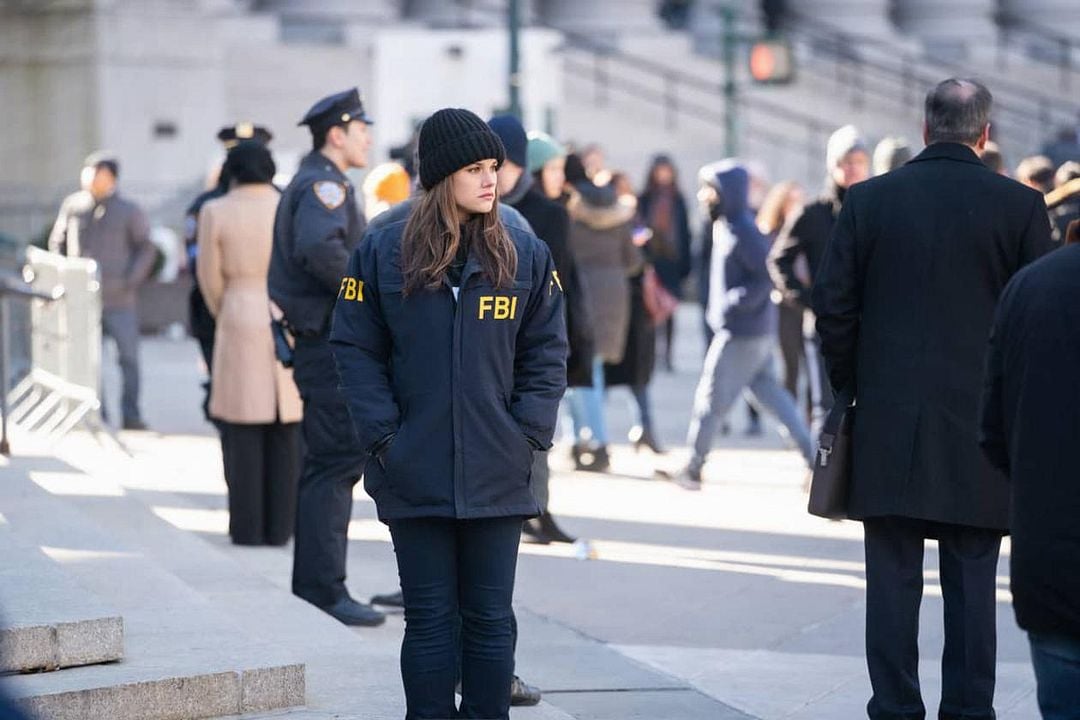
(235, 237)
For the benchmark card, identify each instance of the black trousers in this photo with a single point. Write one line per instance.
(262, 467)
(457, 579)
(333, 462)
(894, 587)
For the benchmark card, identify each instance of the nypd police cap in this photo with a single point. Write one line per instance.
(335, 110)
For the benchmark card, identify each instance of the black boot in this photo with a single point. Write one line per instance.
(534, 532)
(642, 437)
(551, 531)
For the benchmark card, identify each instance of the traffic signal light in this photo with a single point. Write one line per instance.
(771, 62)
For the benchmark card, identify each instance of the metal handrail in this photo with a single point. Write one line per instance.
(1010, 98)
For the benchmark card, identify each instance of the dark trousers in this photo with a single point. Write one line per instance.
(1057, 670)
(333, 462)
(457, 579)
(122, 325)
(665, 334)
(262, 467)
(790, 333)
(894, 586)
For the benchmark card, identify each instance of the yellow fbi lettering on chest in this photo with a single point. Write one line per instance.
(497, 307)
(351, 289)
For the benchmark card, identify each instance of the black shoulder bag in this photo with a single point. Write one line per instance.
(832, 466)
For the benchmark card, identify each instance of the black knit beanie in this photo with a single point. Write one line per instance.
(451, 139)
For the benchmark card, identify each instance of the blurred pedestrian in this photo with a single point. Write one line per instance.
(547, 165)
(450, 339)
(890, 153)
(1065, 147)
(551, 223)
(255, 398)
(662, 209)
(783, 203)
(99, 223)
(635, 370)
(1029, 429)
(200, 320)
(601, 239)
(1065, 198)
(904, 297)
(1037, 172)
(992, 158)
(741, 357)
(384, 187)
(318, 224)
(847, 162)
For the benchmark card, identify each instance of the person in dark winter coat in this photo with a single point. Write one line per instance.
(551, 223)
(743, 318)
(1030, 424)
(601, 239)
(662, 208)
(450, 341)
(905, 297)
(803, 240)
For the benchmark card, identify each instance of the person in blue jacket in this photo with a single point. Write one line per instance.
(450, 341)
(740, 358)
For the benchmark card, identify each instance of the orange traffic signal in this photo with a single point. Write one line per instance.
(771, 62)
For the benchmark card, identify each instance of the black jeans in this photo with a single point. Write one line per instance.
(894, 587)
(333, 462)
(457, 579)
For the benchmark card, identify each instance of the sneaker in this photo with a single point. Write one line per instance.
(688, 479)
(522, 694)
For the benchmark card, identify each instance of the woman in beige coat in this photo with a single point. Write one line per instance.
(253, 396)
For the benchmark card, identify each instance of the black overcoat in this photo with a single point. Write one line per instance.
(904, 299)
(1031, 428)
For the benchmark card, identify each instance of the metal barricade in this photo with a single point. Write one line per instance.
(62, 388)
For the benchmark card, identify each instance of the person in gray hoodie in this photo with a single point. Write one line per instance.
(742, 315)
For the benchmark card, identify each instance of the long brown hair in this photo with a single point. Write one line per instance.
(771, 217)
(433, 234)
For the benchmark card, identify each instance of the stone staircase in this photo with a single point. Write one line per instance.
(97, 629)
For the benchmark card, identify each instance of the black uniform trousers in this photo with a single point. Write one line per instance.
(333, 462)
(894, 587)
(262, 466)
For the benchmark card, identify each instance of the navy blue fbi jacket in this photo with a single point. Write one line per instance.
(468, 388)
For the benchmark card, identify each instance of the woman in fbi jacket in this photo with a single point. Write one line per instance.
(451, 345)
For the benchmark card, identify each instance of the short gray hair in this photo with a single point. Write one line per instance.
(957, 110)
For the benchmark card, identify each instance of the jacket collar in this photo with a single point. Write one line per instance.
(948, 151)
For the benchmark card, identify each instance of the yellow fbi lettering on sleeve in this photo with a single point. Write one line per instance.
(498, 307)
(555, 282)
(351, 289)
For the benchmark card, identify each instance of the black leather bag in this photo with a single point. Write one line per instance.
(831, 482)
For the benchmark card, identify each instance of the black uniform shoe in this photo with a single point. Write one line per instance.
(134, 424)
(350, 612)
(393, 599)
(522, 694)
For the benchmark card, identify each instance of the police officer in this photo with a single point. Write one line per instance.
(199, 317)
(318, 224)
(450, 339)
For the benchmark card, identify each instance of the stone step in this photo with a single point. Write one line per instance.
(183, 658)
(49, 620)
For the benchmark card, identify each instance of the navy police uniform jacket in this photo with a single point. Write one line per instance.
(468, 388)
(317, 225)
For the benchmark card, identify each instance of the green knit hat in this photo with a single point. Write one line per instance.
(542, 147)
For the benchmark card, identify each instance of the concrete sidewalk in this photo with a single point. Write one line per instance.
(728, 603)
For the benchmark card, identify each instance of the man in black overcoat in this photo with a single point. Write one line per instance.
(905, 299)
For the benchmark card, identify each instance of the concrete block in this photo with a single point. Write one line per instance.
(269, 688)
(182, 698)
